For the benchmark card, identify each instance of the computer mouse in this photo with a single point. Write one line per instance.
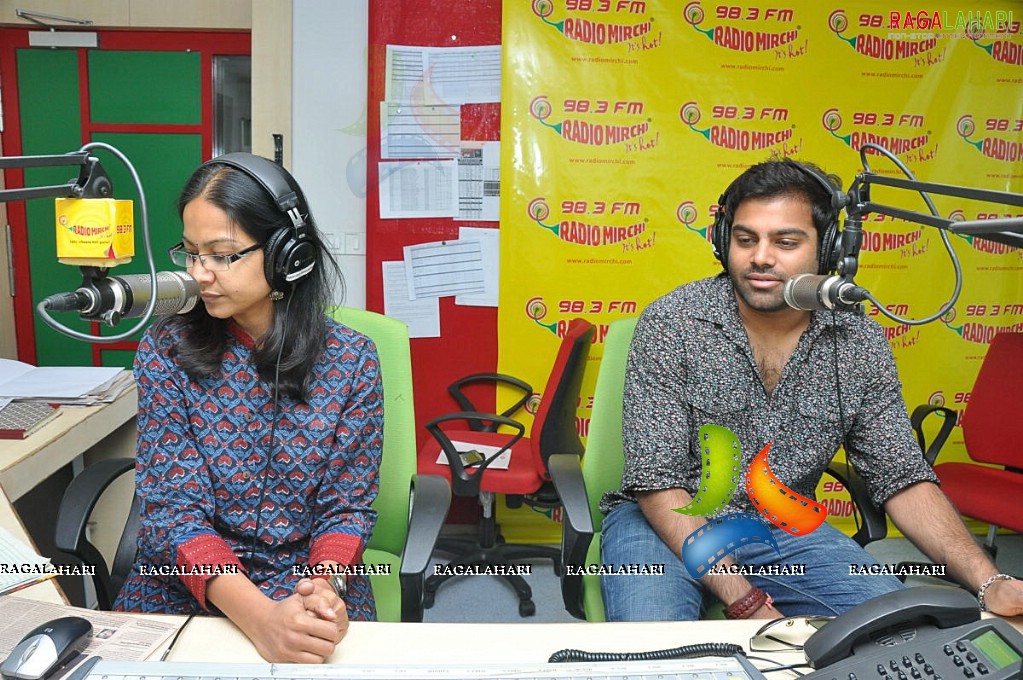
(46, 648)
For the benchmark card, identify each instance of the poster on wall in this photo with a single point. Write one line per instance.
(620, 137)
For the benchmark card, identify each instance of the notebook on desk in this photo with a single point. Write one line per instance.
(19, 419)
(703, 668)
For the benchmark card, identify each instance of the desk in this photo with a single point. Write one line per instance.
(469, 643)
(24, 463)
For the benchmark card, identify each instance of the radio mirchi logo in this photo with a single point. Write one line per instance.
(732, 133)
(904, 134)
(993, 147)
(784, 43)
(637, 35)
(777, 504)
(884, 48)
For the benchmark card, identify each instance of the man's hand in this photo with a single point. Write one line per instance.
(1005, 598)
(321, 601)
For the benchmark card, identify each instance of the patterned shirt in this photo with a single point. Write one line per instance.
(210, 496)
(690, 364)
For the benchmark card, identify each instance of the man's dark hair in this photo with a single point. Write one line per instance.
(790, 178)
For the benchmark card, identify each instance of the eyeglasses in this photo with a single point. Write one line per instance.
(787, 634)
(214, 263)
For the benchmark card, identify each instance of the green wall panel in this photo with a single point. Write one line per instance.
(145, 87)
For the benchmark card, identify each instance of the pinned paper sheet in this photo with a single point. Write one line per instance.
(474, 454)
(410, 131)
(444, 268)
(490, 242)
(418, 189)
(422, 316)
(443, 75)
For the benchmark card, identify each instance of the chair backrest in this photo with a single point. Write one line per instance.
(989, 423)
(71, 534)
(554, 425)
(604, 459)
(398, 464)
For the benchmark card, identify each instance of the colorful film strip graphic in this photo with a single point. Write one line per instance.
(720, 537)
(783, 507)
(719, 472)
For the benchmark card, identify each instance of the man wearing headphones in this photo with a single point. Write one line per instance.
(729, 351)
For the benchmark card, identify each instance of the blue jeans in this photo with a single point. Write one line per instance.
(826, 588)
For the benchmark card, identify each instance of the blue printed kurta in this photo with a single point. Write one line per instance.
(202, 472)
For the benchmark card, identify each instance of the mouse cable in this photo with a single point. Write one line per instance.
(685, 652)
(176, 636)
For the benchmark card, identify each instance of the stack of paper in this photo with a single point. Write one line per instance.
(62, 384)
(24, 565)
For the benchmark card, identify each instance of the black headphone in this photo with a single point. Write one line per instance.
(830, 247)
(288, 255)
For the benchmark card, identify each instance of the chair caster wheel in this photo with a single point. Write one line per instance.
(527, 608)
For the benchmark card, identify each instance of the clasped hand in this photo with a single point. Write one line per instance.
(306, 626)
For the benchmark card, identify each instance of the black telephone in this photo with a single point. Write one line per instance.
(921, 632)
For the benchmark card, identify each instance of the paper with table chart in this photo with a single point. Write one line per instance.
(115, 635)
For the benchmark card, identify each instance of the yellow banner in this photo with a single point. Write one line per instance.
(623, 121)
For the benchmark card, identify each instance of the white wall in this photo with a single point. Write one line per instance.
(330, 44)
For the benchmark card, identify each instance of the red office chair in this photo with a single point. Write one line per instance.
(989, 487)
(526, 479)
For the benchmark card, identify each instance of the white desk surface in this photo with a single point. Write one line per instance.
(26, 462)
(469, 643)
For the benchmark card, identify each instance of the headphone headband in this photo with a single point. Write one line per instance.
(830, 238)
(289, 255)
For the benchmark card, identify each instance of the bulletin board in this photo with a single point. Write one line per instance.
(468, 341)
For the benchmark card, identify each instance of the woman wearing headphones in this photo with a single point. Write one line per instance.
(260, 425)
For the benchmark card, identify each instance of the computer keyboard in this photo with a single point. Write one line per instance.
(704, 668)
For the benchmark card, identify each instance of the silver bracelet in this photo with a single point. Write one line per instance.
(984, 586)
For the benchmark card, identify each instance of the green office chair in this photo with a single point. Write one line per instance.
(581, 484)
(410, 508)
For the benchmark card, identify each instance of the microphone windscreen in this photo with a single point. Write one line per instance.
(808, 292)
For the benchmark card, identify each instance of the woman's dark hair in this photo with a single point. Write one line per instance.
(296, 335)
(786, 177)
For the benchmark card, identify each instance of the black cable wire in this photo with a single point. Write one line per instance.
(176, 636)
(273, 431)
(684, 652)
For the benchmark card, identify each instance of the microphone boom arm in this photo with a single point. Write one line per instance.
(1007, 231)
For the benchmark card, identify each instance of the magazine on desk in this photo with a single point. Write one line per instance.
(19, 419)
(115, 635)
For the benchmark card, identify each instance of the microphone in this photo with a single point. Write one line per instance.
(112, 298)
(812, 292)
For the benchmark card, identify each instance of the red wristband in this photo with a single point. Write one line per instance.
(748, 604)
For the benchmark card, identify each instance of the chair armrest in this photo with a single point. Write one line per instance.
(77, 504)
(917, 421)
(576, 527)
(465, 404)
(875, 524)
(466, 484)
(431, 498)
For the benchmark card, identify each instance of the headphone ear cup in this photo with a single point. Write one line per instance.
(721, 233)
(272, 259)
(287, 259)
(827, 260)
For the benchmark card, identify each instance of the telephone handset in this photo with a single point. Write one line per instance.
(933, 629)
